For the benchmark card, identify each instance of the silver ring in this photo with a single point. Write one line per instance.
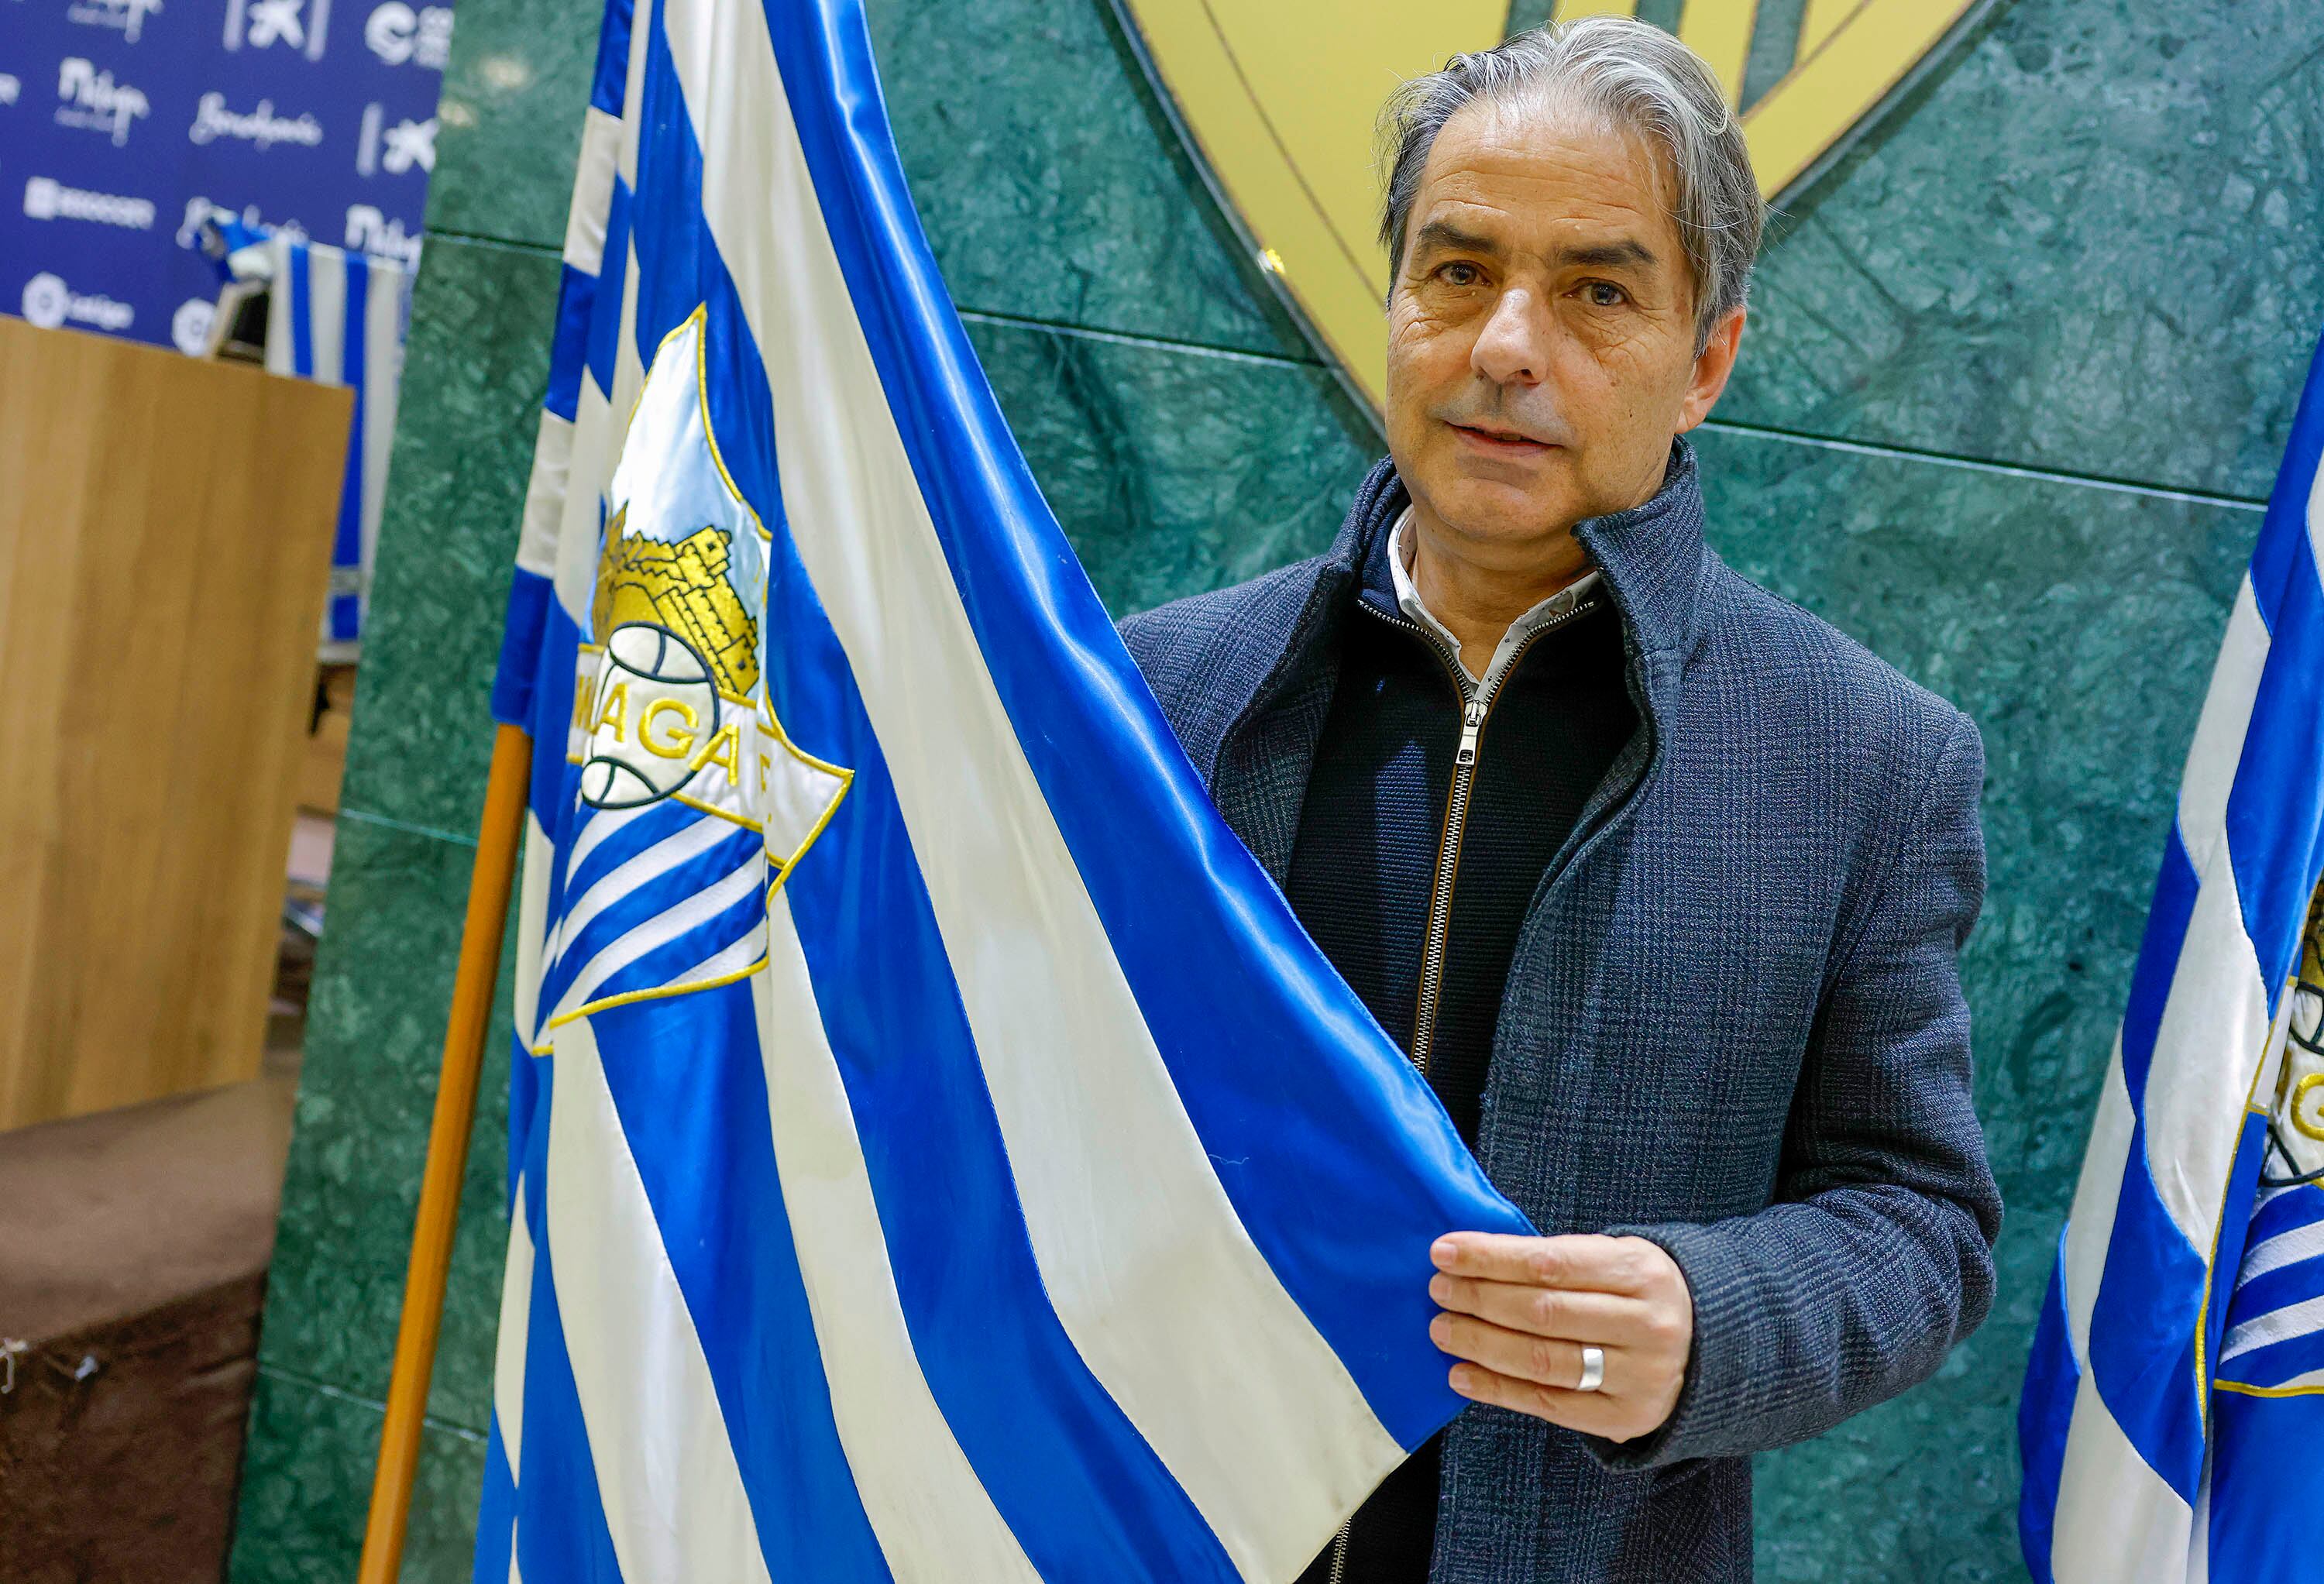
(1593, 1369)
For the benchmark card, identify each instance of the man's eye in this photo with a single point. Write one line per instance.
(1606, 294)
(1458, 273)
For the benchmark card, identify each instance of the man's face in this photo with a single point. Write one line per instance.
(1541, 332)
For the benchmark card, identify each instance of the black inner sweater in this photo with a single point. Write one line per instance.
(1372, 830)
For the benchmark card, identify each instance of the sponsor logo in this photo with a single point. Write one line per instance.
(46, 199)
(90, 99)
(10, 89)
(261, 127)
(406, 146)
(189, 327)
(296, 24)
(50, 304)
(371, 232)
(128, 15)
(398, 34)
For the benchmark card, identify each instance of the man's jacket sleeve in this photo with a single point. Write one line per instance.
(1876, 1255)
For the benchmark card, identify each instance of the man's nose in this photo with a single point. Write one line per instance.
(1513, 346)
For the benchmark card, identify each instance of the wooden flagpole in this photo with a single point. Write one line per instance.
(489, 884)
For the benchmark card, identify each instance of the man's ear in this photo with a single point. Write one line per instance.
(1711, 366)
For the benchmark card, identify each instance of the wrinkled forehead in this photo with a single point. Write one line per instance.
(1548, 136)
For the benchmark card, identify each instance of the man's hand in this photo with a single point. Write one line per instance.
(1520, 1309)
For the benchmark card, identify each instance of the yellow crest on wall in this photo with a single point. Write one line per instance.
(1278, 99)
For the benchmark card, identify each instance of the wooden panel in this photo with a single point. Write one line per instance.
(165, 528)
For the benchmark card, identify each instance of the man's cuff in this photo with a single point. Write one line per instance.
(1714, 1384)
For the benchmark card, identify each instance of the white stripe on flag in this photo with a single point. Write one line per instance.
(2284, 1248)
(935, 1523)
(532, 927)
(673, 1497)
(2219, 745)
(508, 1348)
(544, 497)
(327, 312)
(2207, 1052)
(2316, 519)
(593, 190)
(2277, 1325)
(596, 443)
(383, 335)
(2090, 1227)
(282, 358)
(2117, 1521)
(1126, 1217)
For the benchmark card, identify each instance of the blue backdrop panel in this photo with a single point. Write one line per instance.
(124, 123)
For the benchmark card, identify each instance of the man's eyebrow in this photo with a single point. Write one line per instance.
(1444, 234)
(1609, 255)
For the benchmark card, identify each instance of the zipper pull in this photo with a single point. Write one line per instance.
(1472, 721)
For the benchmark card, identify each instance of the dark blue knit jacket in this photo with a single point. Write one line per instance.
(1733, 1022)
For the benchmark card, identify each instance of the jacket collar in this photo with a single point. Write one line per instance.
(1651, 555)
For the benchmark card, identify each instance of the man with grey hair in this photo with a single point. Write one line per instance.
(1660, 880)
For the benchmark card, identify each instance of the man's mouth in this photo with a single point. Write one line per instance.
(1497, 442)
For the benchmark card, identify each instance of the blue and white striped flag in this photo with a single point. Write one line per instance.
(938, 1154)
(340, 318)
(2171, 1420)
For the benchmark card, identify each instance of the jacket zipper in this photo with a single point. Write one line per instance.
(1475, 708)
(1473, 712)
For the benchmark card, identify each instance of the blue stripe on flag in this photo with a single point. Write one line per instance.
(2278, 1362)
(2274, 827)
(2044, 1414)
(2143, 1329)
(302, 315)
(355, 333)
(1094, 739)
(568, 345)
(2263, 1489)
(2159, 949)
(687, 1081)
(605, 303)
(523, 636)
(676, 960)
(2274, 564)
(496, 1512)
(611, 79)
(549, 717)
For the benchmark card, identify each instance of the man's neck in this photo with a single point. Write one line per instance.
(1477, 597)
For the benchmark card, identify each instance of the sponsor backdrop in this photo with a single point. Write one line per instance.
(2022, 360)
(125, 124)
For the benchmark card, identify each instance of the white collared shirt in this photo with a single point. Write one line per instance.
(1407, 596)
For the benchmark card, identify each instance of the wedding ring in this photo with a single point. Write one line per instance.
(1593, 1369)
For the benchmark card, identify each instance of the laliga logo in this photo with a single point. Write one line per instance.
(261, 127)
(49, 304)
(397, 33)
(92, 100)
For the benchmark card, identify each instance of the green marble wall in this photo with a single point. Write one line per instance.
(2018, 371)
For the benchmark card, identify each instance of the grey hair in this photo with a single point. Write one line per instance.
(1641, 81)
